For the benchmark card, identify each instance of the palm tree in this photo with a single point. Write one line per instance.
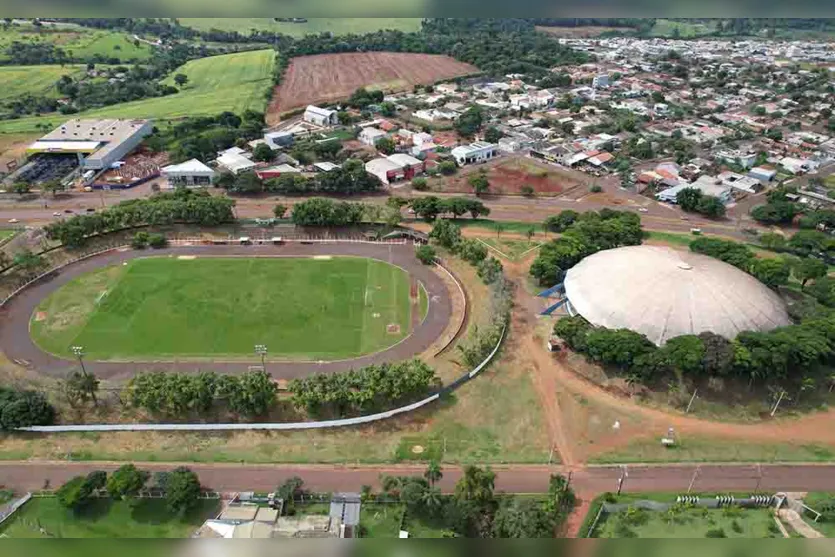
(433, 473)
(432, 501)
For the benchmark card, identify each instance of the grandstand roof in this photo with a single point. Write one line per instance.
(663, 293)
(80, 146)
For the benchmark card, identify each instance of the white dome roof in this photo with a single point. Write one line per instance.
(663, 293)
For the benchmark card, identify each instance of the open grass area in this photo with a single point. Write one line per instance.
(165, 307)
(816, 500)
(104, 518)
(673, 238)
(78, 42)
(379, 520)
(233, 82)
(6, 234)
(668, 28)
(33, 80)
(499, 227)
(688, 523)
(335, 25)
(697, 449)
(510, 249)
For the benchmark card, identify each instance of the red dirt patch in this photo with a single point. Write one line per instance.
(393, 329)
(330, 77)
(508, 176)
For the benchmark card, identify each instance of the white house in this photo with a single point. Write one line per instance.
(320, 116)
(370, 136)
(708, 185)
(190, 174)
(477, 152)
(235, 162)
(386, 170)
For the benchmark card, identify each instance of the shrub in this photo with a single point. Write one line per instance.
(157, 241)
(527, 190)
(426, 254)
(715, 533)
(448, 168)
(140, 240)
(596, 188)
(420, 184)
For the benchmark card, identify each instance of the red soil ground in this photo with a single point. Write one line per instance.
(508, 174)
(330, 77)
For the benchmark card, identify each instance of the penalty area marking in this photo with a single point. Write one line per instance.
(101, 297)
(322, 257)
(187, 257)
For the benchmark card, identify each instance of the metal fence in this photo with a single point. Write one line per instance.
(12, 507)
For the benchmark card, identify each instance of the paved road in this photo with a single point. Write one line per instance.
(16, 343)
(515, 479)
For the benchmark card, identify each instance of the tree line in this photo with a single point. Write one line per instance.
(583, 234)
(475, 510)
(773, 272)
(181, 488)
(180, 206)
(693, 200)
(431, 207)
(351, 178)
(366, 390)
(203, 137)
(249, 395)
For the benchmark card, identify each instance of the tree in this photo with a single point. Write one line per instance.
(419, 184)
(771, 272)
(385, 145)
(279, 211)
(773, 241)
(446, 233)
(778, 212)
(29, 262)
(20, 188)
(23, 409)
(157, 241)
(140, 240)
(711, 206)
(182, 491)
(426, 255)
(561, 222)
(476, 485)
(180, 79)
(471, 251)
(262, 153)
(80, 387)
(77, 492)
(492, 135)
(127, 481)
(469, 123)
(427, 208)
(448, 168)
(619, 347)
(808, 269)
(490, 270)
(688, 198)
(388, 109)
(289, 491)
(479, 183)
(523, 518)
(52, 187)
(686, 353)
(433, 473)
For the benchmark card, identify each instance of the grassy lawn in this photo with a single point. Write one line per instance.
(146, 518)
(695, 449)
(35, 80)
(335, 25)
(512, 227)
(380, 520)
(5, 234)
(233, 82)
(510, 249)
(79, 42)
(300, 308)
(816, 500)
(671, 238)
(689, 523)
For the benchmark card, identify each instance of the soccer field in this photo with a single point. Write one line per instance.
(165, 307)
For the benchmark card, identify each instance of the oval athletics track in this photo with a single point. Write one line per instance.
(17, 344)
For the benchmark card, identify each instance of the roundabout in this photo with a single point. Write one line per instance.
(318, 308)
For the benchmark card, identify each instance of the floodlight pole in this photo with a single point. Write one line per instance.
(262, 350)
(623, 475)
(79, 353)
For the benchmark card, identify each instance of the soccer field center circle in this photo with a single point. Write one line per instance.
(332, 307)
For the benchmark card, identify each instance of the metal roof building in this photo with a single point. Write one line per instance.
(663, 293)
(98, 143)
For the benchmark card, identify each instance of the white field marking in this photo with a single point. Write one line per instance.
(526, 252)
(503, 254)
(187, 257)
(322, 257)
(101, 297)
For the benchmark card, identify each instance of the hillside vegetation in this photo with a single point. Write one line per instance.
(232, 82)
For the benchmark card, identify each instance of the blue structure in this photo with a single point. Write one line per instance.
(553, 308)
(551, 291)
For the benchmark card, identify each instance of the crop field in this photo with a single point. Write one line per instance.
(104, 518)
(335, 25)
(233, 82)
(668, 27)
(33, 80)
(330, 77)
(165, 307)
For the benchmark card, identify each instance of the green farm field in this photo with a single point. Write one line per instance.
(104, 518)
(33, 80)
(164, 307)
(79, 42)
(335, 25)
(233, 82)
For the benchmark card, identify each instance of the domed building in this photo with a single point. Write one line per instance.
(664, 293)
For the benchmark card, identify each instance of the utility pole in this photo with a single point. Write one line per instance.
(693, 480)
(624, 473)
(759, 477)
(262, 350)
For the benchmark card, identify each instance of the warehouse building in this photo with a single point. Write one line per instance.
(664, 293)
(320, 116)
(395, 168)
(477, 152)
(96, 143)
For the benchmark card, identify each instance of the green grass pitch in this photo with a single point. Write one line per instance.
(166, 307)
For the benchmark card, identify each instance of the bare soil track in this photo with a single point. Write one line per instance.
(16, 343)
(326, 78)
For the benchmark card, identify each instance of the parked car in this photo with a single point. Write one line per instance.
(13, 221)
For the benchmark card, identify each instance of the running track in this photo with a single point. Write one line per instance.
(16, 343)
(512, 479)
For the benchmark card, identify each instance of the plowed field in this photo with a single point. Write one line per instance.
(330, 77)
